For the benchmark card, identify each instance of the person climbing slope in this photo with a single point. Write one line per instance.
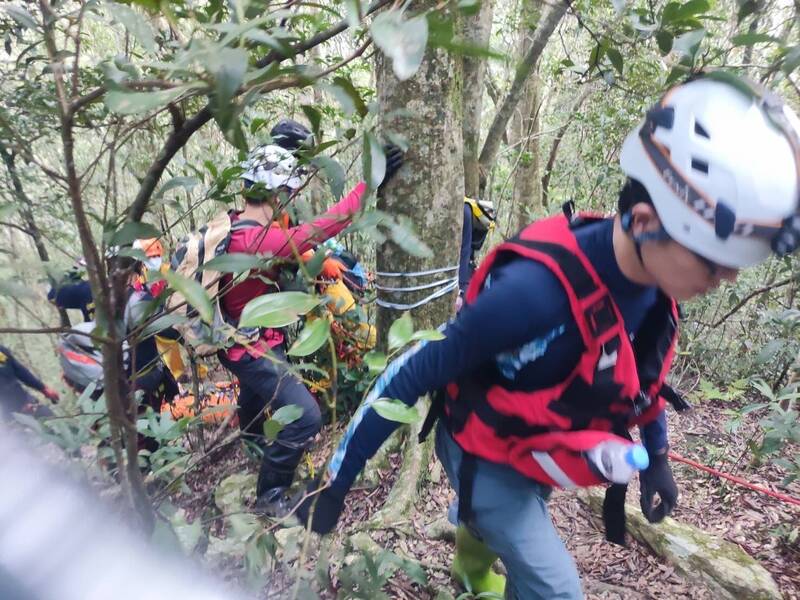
(13, 397)
(270, 179)
(584, 323)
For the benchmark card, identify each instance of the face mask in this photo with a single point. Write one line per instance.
(153, 263)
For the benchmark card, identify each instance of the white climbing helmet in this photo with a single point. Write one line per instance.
(720, 159)
(273, 167)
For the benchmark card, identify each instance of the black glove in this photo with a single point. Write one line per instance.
(394, 160)
(657, 479)
(324, 506)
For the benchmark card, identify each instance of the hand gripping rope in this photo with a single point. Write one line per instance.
(445, 286)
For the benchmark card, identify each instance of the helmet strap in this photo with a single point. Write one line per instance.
(659, 235)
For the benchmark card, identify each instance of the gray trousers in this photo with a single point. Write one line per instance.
(509, 513)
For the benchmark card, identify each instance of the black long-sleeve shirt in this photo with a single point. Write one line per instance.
(12, 375)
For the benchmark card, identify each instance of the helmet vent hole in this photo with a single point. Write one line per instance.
(700, 130)
(700, 165)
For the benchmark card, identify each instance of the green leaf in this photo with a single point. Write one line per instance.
(619, 6)
(270, 319)
(428, 335)
(732, 80)
(675, 12)
(314, 265)
(748, 39)
(262, 37)
(596, 55)
(29, 421)
(442, 34)
(235, 262)
(353, 8)
(187, 183)
(314, 117)
(134, 253)
(792, 60)
(193, 292)
(664, 41)
(135, 23)
(374, 161)
(616, 59)
(311, 339)
(188, 534)
(20, 15)
(689, 43)
(403, 234)
(280, 419)
(161, 323)
(401, 331)
(228, 67)
(677, 72)
(395, 410)
(277, 310)
(769, 351)
(334, 173)
(746, 8)
(288, 414)
(151, 5)
(375, 361)
(131, 103)
(400, 40)
(132, 231)
(346, 85)
(271, 429)
(7, 210)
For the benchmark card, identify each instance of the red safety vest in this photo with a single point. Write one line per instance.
(616, 384)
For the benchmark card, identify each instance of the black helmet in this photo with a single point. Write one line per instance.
(290, 134)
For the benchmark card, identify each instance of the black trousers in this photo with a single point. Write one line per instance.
(266, 382)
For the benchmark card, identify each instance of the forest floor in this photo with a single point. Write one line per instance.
(752, 520)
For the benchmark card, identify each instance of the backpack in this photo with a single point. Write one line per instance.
(81, 361)
(194, 251)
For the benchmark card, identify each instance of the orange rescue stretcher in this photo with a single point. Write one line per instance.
(215, 406)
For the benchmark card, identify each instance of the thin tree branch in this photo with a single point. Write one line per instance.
(546, 26)
(15, 226)
(750, 296)
(179, 137)
(318, 39)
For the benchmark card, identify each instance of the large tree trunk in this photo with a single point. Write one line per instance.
(476, 30)
(545, 28)
(525, 128)
(429, 189)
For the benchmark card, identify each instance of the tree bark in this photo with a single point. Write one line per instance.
(475, 30)
(753, 28)
(551, 159)
(429, 189)
(31, 227)
(547, 25)
(527, 180)
(107, 290)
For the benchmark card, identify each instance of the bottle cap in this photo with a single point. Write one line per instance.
(637, 457)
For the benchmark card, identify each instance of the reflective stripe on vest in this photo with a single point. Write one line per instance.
(549, 466)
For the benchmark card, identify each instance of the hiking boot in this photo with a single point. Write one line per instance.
(275, 503)
(472, 565)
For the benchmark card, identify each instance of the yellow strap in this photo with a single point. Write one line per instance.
(478, 213)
